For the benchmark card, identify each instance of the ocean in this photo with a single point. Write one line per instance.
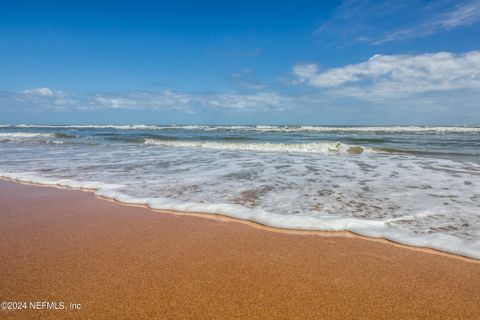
(415, 185)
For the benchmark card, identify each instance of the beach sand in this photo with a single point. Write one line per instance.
(123, 262)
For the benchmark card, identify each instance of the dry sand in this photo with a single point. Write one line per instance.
(123, 262)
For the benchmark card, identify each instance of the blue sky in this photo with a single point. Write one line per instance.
(250, 62)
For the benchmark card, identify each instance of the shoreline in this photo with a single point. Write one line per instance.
(254, 224)
(121, 261)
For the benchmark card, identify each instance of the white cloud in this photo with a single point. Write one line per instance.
(189, 101)
(42, 97)
(398, 75)
(463, 14)
(143, 100)
(114, 102)
(42, 92)
(45, 99)
(247, 102)
(378, 22)
(434, 81)
(305, 72)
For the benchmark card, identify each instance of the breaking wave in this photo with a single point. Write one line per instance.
(273, 128)
(314, 147)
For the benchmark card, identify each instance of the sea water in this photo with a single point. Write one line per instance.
(415, 185)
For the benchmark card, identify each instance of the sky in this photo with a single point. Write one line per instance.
(348, 62)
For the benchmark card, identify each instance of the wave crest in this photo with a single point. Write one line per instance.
(25, 135)
(270, 128)
(314, 147)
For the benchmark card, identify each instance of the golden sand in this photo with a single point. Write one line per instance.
(121, 262)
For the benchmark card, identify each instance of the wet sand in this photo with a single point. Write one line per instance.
(122, 262)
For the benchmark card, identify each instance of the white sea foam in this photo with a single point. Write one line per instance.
(365, 227)
(25, 135)
(314, 147)
(272, 128)
(31, 177)
(374, 129)
(88, 126)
